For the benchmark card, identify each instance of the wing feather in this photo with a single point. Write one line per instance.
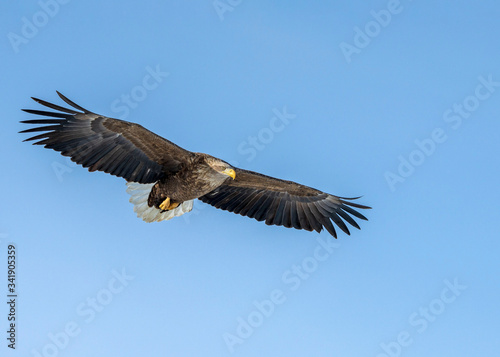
(284, 203)
(353, 212)
(303, 219)
(247, 197)
(99, 143)
(261, 213)
(272, 210)
(278, 216)
(256, 196)
(287, 219)
(294, 215)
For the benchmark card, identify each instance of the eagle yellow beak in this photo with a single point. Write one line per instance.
(230, 172)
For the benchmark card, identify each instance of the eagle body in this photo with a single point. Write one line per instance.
(194, 179)
(163, 179)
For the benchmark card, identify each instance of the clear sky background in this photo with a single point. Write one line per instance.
(398, 102)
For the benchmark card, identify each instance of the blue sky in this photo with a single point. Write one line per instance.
(395, 101)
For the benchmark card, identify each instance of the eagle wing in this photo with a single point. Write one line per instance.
(114, 146)
(284, 203)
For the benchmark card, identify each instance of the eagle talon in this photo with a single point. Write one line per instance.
(173, 206)
(164, 205)
(167, 206)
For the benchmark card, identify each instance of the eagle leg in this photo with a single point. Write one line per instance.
(173, 205)
(167, 206)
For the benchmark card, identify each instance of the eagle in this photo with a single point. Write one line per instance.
(164, 179)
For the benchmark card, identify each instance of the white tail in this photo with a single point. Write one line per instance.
(139, 194)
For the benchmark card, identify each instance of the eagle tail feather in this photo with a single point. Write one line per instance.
(139, 194)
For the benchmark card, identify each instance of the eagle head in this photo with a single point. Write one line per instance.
(221, 167)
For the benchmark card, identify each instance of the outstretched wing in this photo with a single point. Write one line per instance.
(284, 203)
(114, 146)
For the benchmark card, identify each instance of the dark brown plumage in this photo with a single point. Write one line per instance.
(164, 178)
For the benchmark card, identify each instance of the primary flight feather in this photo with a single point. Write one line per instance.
(164, 179)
